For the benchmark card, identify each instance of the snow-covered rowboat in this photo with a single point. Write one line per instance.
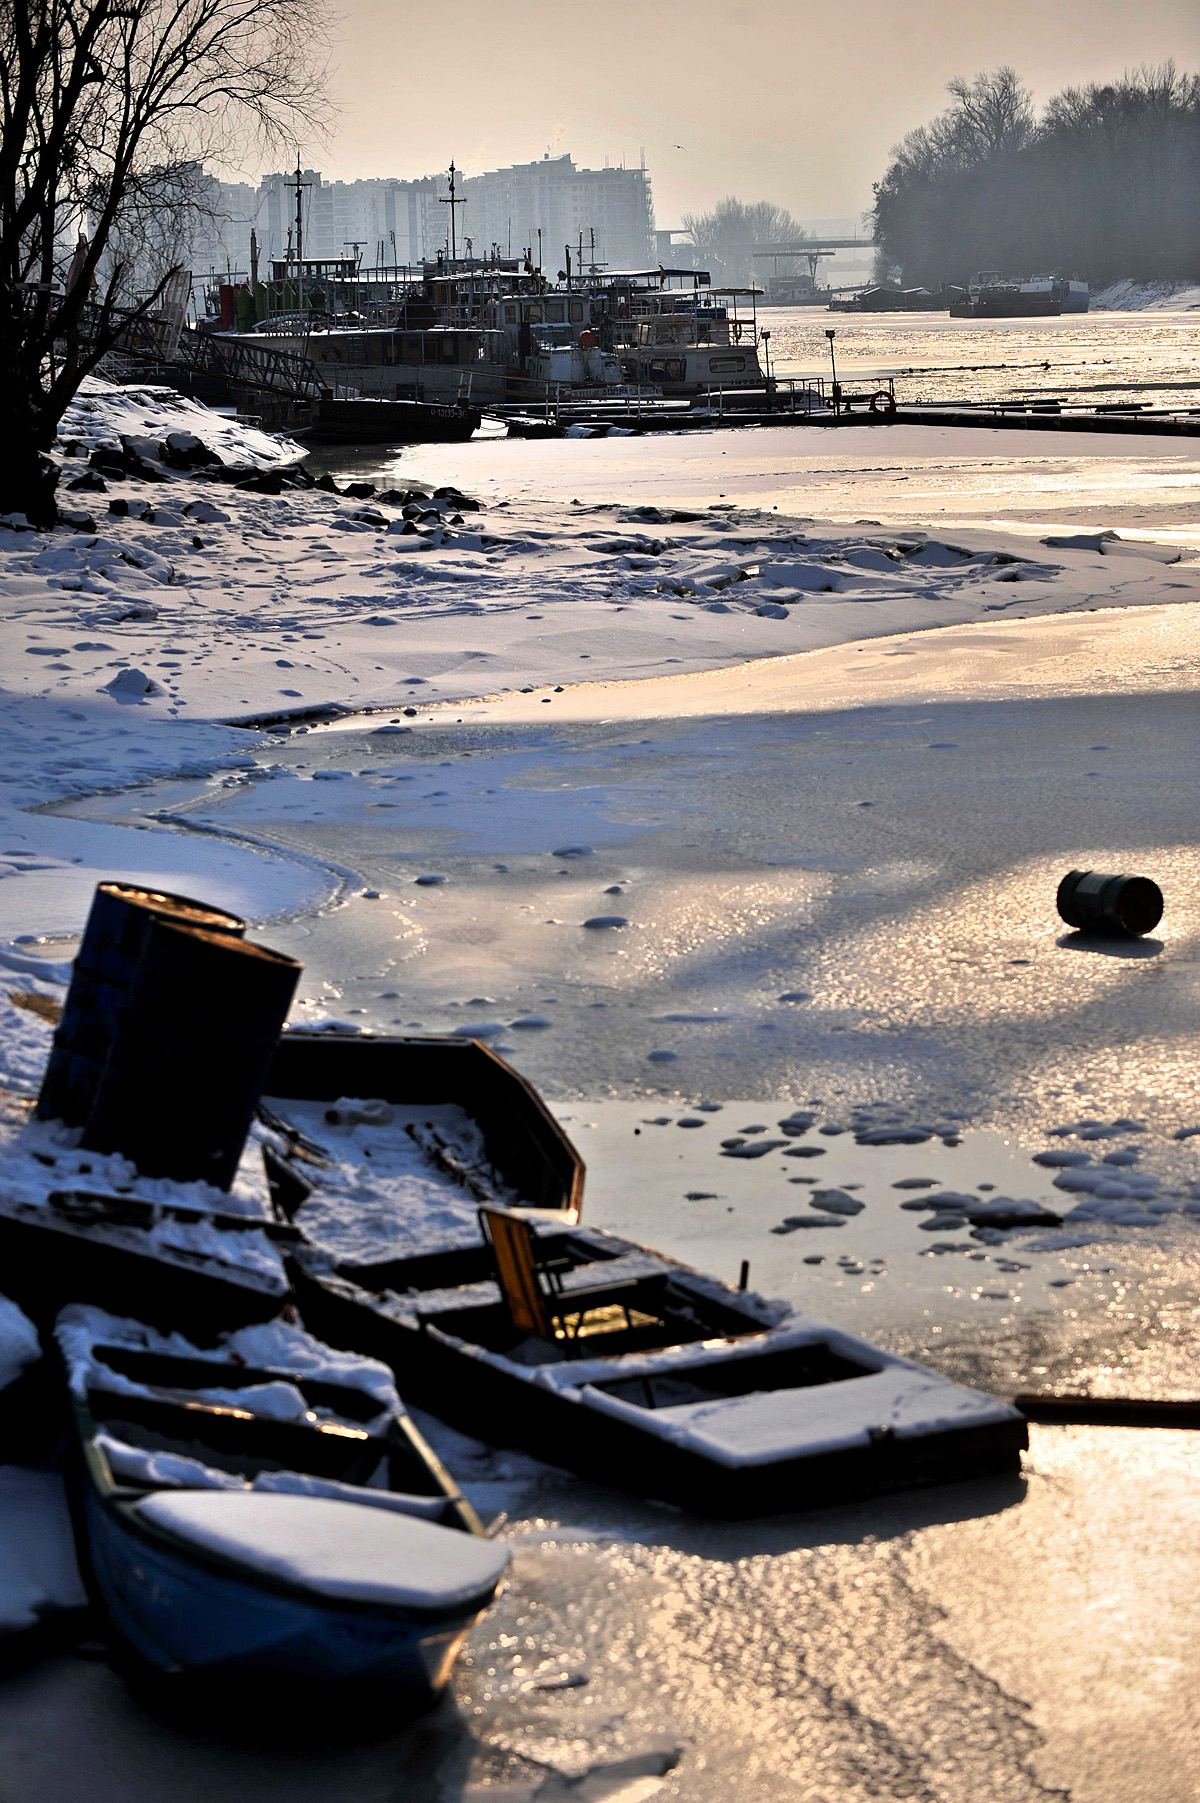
(268, 1508)
(174, 1263)
(523, 1141)
(587, 1350)
(666, 1382)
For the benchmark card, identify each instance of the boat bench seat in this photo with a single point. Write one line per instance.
(543, 1293)
(332, 1549)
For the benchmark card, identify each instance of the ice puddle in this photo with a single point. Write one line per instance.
(875, 1219)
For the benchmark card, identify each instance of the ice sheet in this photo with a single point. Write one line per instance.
(38, 1573)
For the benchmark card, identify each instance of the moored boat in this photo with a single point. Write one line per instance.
(178, 1261)
(991, 296)
(585, 1349)
(268, 1508)
(369, 420)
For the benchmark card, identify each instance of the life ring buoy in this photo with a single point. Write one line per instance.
(587, 340)
(883, 401)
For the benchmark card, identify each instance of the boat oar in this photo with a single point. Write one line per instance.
(1109, 1411)
(85, 1208)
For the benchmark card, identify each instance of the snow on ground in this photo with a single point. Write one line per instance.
(126, 646)
(38, 1573)
(1036, 1600)
(103, 413)
(1138, 297)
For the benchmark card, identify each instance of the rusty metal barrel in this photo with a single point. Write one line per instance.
(1123, 907)
(108, 954)
(194, 1040)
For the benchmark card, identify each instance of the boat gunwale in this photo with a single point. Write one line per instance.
(119, 1499)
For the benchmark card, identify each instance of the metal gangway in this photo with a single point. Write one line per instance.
(157, 348)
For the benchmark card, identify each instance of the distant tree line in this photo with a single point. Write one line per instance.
(728, 236)
(1104, 184)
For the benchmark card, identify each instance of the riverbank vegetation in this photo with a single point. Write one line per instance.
(1103, 183)
(728, 236)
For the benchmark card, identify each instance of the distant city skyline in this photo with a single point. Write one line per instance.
(786, 100)
(543, 206)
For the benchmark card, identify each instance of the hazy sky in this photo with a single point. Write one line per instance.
(787, 100)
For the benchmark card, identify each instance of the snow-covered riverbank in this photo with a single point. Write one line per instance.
(126, 643)
(1132, 296)
(835, 873)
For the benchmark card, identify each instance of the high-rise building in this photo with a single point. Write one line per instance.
(220, 238)
(389, 221)
(508, 207)
(403, 222)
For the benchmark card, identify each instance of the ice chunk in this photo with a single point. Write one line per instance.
(132, 685)
(837, 1202)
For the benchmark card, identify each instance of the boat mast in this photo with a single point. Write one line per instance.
(300, 186)
(451, 202)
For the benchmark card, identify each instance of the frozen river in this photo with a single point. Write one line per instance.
(1091, 358)
(838, 879)
(836, 874)
(894, 475)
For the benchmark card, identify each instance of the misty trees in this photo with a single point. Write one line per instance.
(1106, 183)
(942, 203)
(106, 106)
(729, 234)
(1118, 165)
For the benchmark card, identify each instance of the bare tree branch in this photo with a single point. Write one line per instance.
(105, 105)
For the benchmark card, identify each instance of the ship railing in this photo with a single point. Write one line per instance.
(793, 395)
(551, 397)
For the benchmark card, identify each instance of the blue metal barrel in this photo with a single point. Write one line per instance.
(193, 1044)
(109, 951)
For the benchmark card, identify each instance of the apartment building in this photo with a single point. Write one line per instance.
(393, 221)
(508, 207)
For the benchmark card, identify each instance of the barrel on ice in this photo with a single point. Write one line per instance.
(1121, 906)
(193, 1043)
(108, 955)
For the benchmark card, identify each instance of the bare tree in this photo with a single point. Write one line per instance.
(1106, 183)
(994, 112)
(106, 109)
(730, 234)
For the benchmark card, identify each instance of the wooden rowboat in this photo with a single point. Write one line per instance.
(598, 1354)
(284, 1519)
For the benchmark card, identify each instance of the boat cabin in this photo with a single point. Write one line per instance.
(388, 363)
